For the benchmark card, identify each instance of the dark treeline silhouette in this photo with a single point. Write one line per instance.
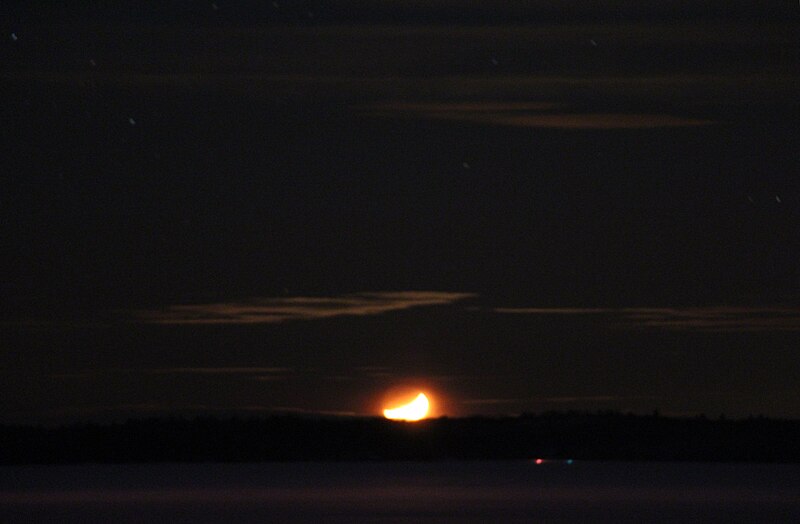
(579, 436)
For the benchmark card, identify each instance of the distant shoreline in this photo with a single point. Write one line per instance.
(550, 436)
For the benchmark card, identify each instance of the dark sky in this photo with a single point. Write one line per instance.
(249, 207)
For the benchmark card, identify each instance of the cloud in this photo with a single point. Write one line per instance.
(255, 373)
(344, 87)
(528, 114)
(721, 319)
(372, 369)
(71, 376)
(454, 109)
(711, 319)
(554, 310)
(271, 378)
(594, 121)
(221, 371)
(491, 401)
(171, 408)
(301, 411)
(567, 400)
(550, 400)
(282, 309)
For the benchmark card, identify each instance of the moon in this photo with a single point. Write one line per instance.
(417, 409)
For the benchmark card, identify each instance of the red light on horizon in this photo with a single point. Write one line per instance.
(539, 461)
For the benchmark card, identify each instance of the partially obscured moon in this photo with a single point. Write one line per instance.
(417, 409)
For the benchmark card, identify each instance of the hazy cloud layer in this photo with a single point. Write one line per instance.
(455, 109)
(221, 370)
(547, 400)
(257, 373)
(722, 318)
(528, 404)
(528, 114)
(282, 309)
(593, 121)
(677, 90)
(155, 409)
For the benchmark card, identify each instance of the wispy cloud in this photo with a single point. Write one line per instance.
(572, 399)
(721, 319)
(528, 114)
(282, 309)
(83, 375)
(153, 408)
(594, 121)
(550, 400)
(716, 318)
(301, 411)
(221, 370)
(255, 373)
(272, 378)
(557, 310)
(371, 369)
(454, 110)
(491, 401)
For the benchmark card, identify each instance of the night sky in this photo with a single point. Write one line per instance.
(298, 207)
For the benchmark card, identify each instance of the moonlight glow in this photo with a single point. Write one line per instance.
(417, 409)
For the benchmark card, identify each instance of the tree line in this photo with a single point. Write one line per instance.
(577, 436)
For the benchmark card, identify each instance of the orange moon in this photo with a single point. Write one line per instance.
(417, 409)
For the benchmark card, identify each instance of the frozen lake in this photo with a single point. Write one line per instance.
(400, 492)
